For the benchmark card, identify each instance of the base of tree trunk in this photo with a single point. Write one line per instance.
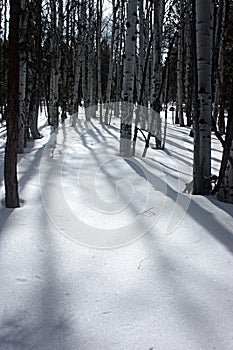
(224, 196)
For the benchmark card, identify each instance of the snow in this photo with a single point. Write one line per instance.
(110, 253)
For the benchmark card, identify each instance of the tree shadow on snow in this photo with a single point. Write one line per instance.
(201, 215)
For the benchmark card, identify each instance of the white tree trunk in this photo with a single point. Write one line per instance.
(128, 80)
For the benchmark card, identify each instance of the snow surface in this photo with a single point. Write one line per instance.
(109, 253)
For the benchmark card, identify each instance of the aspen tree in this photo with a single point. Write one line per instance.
(128, 79)
(78, 55)
(180, 67)
(98, 49)
(202, 142)
(115, 7)
(34, 103)
(3, 58)
(226, 171)
(55, 57)
(154, 127)
(23, 26)
(10, 166)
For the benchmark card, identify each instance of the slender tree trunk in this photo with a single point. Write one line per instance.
(22, 75)
(154, 127)
(128, 80)
(180, 66)
(36, 96)
(225, 180)
(204, 59)
(156, 89)
(89, 103)
(99, 59)
(119, 60)
(78, 54)
(3, 59)
(188, 65)
(115, 7)
(10, 169)
(55, 69)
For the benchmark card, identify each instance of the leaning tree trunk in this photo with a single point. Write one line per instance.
(10, 169)
(202, 142)
(128, 80)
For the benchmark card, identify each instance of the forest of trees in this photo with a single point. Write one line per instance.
(63, 54)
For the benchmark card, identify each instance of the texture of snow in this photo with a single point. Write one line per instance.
(165, 279)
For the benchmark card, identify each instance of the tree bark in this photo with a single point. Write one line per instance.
(225, 180)
(180, 66)
(10, 168)
(202, 142)
(23, 26)
(128, 80)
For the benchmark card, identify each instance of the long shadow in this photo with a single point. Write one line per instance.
(91, 130)
(180, 158)
(36, 318)
(208, 222)
(32, 170)
(164, 165)
(186, 138)
(108, 130)
(97, 130)
(199, 214)
(4, 216)
(188, 305)
(177, 145)
(226, 207)
(86, 132)
(29, 320)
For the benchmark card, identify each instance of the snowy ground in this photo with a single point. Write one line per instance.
(165, 279)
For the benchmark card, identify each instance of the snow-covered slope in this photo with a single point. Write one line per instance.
(164, 279)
